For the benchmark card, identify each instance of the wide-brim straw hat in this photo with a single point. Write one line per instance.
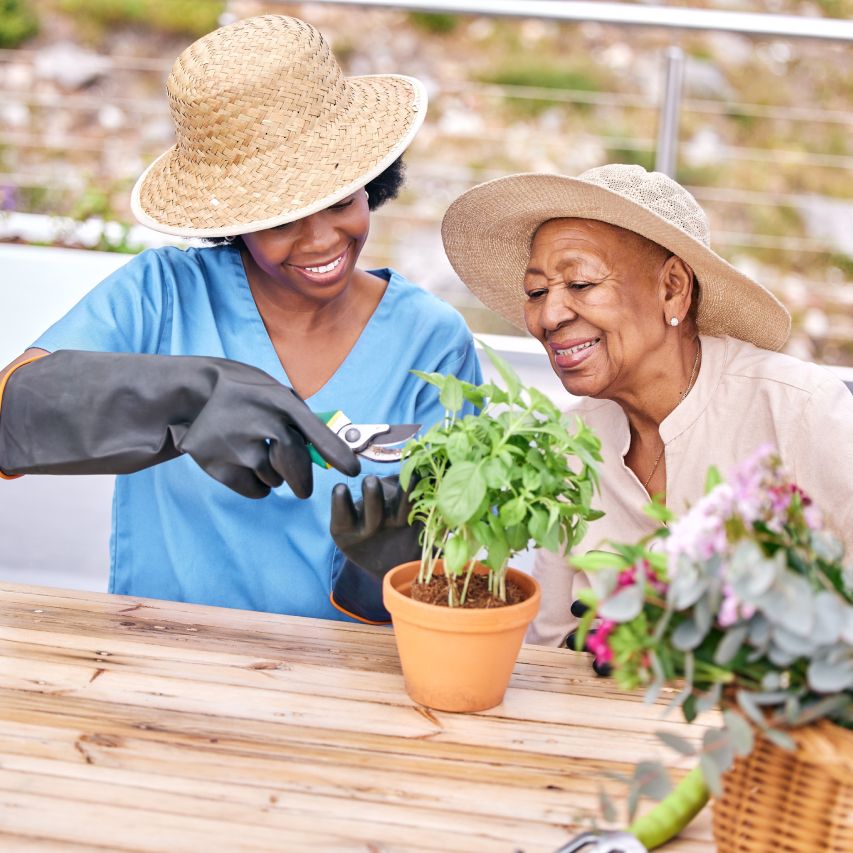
(269, 130)
(488, 230)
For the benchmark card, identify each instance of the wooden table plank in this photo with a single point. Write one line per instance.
(261, 732)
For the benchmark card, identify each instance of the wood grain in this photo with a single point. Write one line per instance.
(134, 724)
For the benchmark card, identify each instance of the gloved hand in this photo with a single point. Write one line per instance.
(374, 535)
(578, 609)
(75, 412)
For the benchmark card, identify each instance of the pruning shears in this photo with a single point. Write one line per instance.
(603, 842)
(377, 442)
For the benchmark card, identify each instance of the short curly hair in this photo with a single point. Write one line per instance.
(384, 187)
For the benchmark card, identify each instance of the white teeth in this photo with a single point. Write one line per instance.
(326, 267)
(578, 348)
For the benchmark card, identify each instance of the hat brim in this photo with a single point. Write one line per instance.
(487, 234)
(179, 195)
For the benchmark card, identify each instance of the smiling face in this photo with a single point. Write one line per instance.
(311, 259)
(596, 298)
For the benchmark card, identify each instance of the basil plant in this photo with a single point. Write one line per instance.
(486, 486)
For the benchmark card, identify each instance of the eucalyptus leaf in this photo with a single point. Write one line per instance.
(828, 627)
(748, 705)
(624, 605)
(688, 635)
(710, 699)
(789, 603)
(676, 742)
(652, 780)
(711, 774)
(740, 732)
(828, 676)
(781, 739)
(730, 644)
(717, 746)
(750, 573)
(606, 807)
(826, 546)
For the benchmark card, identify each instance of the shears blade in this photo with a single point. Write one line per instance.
(377, 442)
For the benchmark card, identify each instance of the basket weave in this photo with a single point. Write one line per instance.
(790, 802)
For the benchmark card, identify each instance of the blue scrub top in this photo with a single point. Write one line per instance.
(178, 533)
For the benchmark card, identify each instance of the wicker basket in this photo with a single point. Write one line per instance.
(790, 802)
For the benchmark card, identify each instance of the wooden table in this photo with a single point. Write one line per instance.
(134, 724)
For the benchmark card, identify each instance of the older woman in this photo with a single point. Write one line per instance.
(185, 372)
(671, 351)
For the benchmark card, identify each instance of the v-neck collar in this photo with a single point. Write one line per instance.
(358, 362)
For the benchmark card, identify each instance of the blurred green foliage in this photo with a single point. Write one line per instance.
(434, 22)
(18, 22)
(543, 75)
(192, 18)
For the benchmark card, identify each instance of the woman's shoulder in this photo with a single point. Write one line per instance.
(743, 360)
(413, 301)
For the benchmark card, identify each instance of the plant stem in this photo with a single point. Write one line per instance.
(468, 574)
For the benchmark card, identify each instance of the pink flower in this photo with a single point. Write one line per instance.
(597, 641)
(732, 609)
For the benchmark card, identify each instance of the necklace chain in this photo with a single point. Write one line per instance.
(684, 394)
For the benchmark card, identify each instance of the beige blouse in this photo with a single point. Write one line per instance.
(743, 397)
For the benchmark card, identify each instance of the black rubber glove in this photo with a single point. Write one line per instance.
(75, 412)
(578, 609)
(374, 535)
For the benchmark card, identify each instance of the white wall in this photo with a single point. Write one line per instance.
(53, 530)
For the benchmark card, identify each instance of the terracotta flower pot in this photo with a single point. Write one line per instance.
(457, 659)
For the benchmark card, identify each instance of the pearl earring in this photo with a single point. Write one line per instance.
(673, 321)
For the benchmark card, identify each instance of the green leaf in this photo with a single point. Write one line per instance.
(594, 560)
(712, 479)
(451, 396)
(496, 472)
(461, 492)
(455, 554)
(531, 479)
(509, 376)
(458, 447)
(659, 512)
(513, 511)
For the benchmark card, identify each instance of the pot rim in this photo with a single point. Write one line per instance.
(468, 619)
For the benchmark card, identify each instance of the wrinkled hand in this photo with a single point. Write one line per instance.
(374, 533)
(578, 609)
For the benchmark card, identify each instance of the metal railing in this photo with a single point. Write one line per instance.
(37, 164)
(789, 26)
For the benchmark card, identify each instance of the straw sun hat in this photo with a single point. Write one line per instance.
(269, 131)
(488, 230)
